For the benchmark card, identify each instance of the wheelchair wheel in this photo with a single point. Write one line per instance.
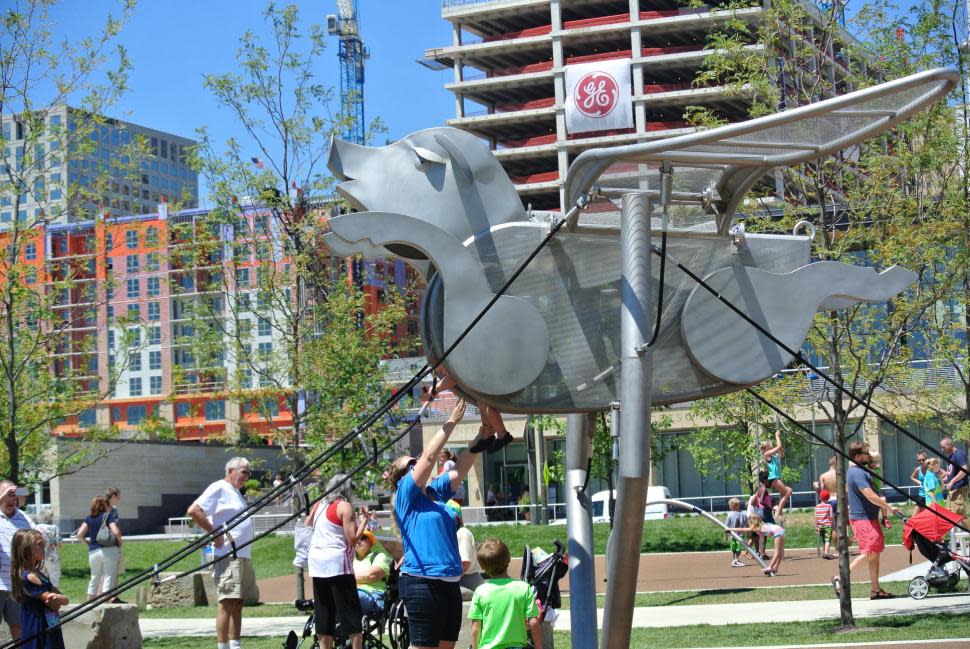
(397, 626)
(919, 588)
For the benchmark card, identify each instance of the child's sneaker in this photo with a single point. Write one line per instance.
(737, 564)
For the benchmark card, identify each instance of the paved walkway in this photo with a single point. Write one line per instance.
(684, 571)
(643, 617)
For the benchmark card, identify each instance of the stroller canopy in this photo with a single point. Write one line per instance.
(930, 525)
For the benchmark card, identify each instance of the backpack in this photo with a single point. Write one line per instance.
(105, 537)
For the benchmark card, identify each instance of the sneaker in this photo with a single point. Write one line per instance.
(737, 564)
(500, 442)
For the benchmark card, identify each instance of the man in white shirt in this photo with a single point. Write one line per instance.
(11, 520)
(233, 575)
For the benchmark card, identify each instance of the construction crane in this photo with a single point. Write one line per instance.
(352, 55)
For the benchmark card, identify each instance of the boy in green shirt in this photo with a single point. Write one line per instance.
(503, 609)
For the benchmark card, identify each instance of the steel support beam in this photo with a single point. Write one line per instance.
(579, 528)
(634, 471)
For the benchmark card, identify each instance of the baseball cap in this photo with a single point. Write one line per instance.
(369, 536)
(824, 494)
(454, 507)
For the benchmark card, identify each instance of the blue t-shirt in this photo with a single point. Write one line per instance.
(860, 507)
(957, 461)
(94, 525)
(428, 530)
(920, 475)
(774, 468)
(932, 489)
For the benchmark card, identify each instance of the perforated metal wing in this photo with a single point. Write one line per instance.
(717, 167)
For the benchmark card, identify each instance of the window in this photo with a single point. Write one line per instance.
(30, 251)
(87, 418)
(154, 288)
(263, 327)
(154, 335)
(154, 385)
(265, 349)
(151, 262)
(215, 410)
(111, 312)
(243, 302)
(134, 362)
(242, 276)
(154, 360)
(131, 263)
(134, 390)
(111, 339)
(271, 408)
(154, 311)
(131, 239)
(137, 414)
(151, 237)
(134, 312)
(109, 242)
(134, 288)
(134, 335)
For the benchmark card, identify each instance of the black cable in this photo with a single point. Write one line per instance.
(313, 464)
(800, 357)
(845, 456)
(660, 290)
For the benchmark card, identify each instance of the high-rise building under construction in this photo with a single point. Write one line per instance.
(510, 61)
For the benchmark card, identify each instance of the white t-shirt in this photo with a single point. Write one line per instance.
(221, 501)
(466, 550)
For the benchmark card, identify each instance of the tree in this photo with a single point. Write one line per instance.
(891, 200)
(289, 326)
(48, 368)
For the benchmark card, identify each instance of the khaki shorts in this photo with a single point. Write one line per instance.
(235, 579)
(956, 501)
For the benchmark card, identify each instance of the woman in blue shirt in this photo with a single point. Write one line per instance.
(432, 565)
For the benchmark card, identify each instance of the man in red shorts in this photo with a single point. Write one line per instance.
(865, 506)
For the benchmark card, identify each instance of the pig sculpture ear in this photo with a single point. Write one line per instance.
(463, 170)
(427, 156)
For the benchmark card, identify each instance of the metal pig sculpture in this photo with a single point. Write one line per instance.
(440, 200)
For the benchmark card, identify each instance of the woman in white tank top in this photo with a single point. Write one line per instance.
(330, 562)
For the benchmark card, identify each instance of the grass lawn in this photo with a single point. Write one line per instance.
(273, 557)
(679, 534)
(897, 629)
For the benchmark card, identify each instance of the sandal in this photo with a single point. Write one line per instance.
(498, 443)
(837, 587)
(482, 444)
(881, 594)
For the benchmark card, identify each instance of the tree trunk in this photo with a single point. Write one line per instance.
(838, 424)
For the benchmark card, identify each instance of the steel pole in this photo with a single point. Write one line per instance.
(579, 528)
(623, 560)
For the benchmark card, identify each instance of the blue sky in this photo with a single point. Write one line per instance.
(172, 43)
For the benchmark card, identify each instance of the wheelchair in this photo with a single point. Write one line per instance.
(387, 629)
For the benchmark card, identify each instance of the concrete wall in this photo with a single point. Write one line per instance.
(158, 480)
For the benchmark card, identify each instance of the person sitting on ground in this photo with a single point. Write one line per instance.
(371, 569)
(758, 526)
(824, 522)
(499, 436)
(773, 456)
(502, 608)
(932, 485)
(471, 576)
(736, 518)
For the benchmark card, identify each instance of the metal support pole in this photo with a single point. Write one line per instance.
(635, 330)
(579, 528)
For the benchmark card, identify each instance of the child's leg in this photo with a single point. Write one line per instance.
(784, 491)
(493, 419)
(779, 553)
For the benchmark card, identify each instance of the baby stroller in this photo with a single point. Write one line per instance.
(543, 574)
(927, 532)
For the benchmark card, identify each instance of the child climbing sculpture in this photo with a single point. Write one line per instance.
(773, 456)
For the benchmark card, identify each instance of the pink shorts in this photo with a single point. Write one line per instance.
(869, 536)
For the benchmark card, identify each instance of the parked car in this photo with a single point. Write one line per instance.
(601, 507)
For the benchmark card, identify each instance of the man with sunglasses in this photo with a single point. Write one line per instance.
(233, 572)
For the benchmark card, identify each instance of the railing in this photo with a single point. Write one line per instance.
(184, 527)
(445, 4)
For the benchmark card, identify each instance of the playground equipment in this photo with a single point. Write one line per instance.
(553, 343)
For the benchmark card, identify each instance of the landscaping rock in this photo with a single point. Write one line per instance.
(110, 626)
(182, 593)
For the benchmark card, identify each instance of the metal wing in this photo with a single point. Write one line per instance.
(717, 167)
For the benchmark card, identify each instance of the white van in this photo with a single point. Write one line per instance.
(601, 506)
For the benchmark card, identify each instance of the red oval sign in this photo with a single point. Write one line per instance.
(596, 94)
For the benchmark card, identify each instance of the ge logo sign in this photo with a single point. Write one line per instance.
(596, 94)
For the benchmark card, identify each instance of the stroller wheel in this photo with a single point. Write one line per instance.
(919, 588)
(397, 626)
